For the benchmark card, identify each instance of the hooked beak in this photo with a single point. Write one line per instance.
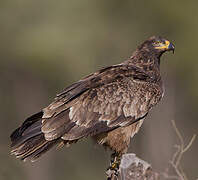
(167, 46)
(171, 47)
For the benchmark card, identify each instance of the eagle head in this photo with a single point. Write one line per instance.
(158, 45)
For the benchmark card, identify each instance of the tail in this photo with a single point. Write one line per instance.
(28, 141)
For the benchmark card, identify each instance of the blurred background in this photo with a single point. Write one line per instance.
(46, 45)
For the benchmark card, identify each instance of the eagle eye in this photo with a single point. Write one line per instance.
(157, 43)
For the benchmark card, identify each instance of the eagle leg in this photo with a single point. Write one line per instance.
(113, 170)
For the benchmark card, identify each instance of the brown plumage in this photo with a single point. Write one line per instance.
(109, 105)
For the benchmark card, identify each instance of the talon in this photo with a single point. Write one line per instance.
(114, 165)
(113, 169)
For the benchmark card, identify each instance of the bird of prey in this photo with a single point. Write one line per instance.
(109, 105)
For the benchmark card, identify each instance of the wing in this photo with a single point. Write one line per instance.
(110, 98)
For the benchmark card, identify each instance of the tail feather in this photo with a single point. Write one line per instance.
(25, 136)
(28, 146)
(27, 123)
(28, 141)
(40, 150)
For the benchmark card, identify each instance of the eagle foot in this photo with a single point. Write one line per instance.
(113, 170)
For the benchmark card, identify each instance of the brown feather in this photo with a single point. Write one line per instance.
(109, 105)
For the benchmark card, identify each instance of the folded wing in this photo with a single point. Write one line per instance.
(113, 97)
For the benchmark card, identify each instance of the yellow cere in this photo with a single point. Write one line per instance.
(163, 46)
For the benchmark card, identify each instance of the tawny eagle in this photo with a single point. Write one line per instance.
(109, 105)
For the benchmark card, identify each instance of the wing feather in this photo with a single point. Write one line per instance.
(103, 101)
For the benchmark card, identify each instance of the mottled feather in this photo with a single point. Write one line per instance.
(108, 105)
